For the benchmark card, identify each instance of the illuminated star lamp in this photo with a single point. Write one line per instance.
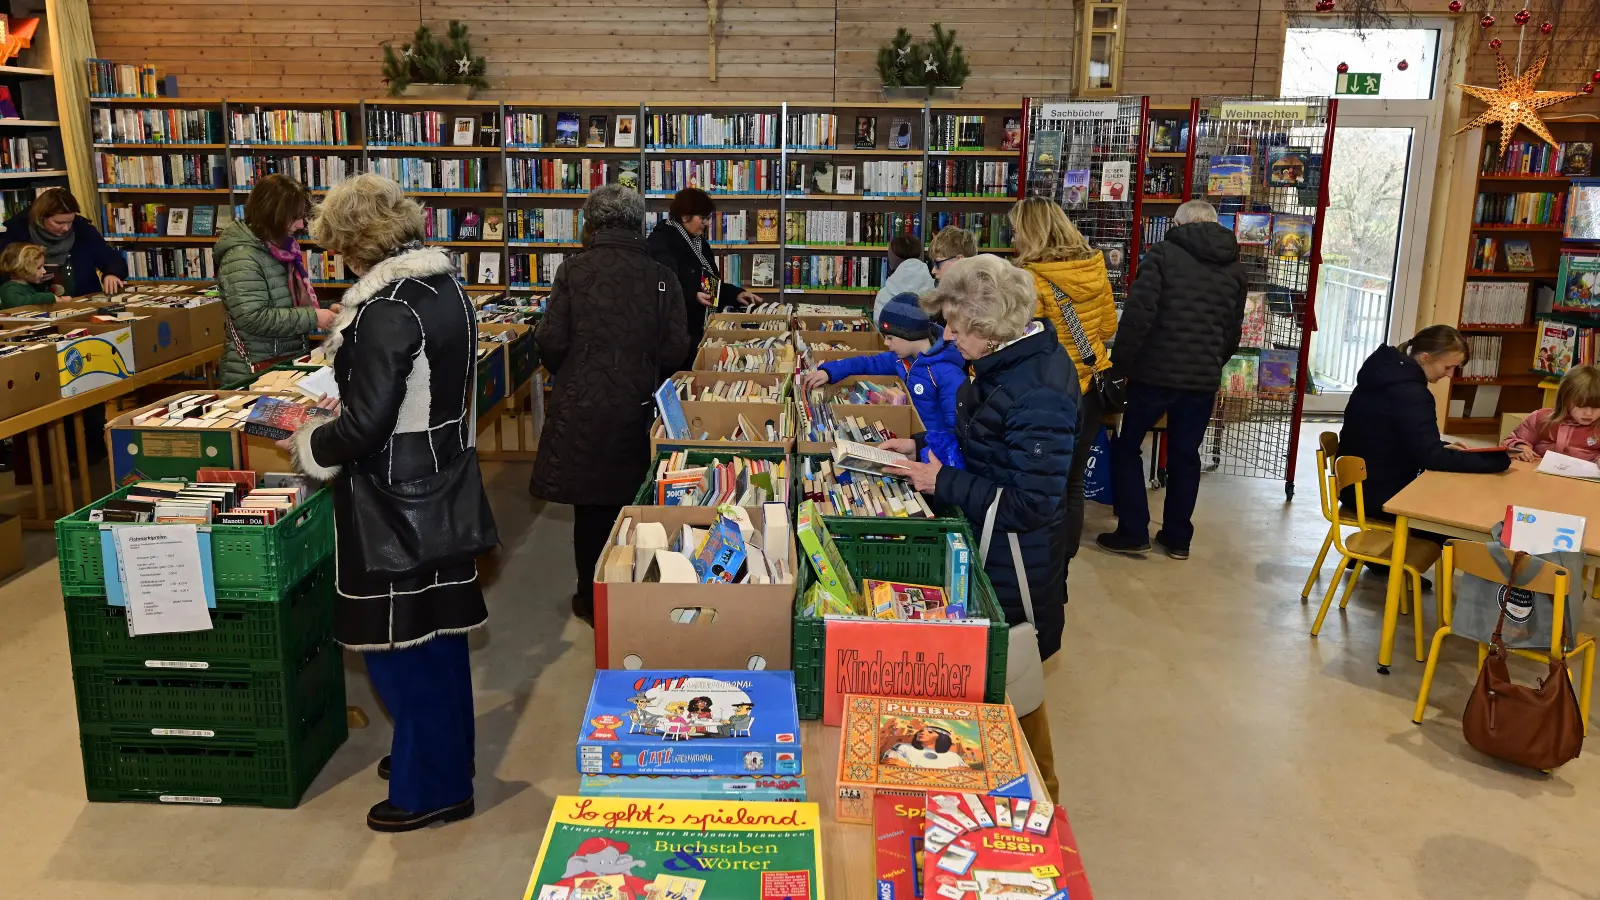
(1515, 102)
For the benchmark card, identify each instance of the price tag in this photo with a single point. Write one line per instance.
(1046, 872)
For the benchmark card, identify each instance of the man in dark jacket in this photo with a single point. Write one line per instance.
(613, 329)
(1180, 325)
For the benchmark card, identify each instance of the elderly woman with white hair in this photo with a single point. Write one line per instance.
(410, 515)
(1017, 421)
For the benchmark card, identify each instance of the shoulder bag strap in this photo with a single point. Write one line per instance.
(1016, 554)
(1079, 337)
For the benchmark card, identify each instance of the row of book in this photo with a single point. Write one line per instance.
(972, 178)
(224, 501)
(838, 491)
(1523, 208)
(1495, 303)
(1530, 158)
(171, 262)
(851, 227)
(740, 480)
(15, 201)
(768, 360)
(554, 225)
(879, 178)
(990, 231)
(173, 170)
(1486, 251)
(1154, 228)
(537, 269)
(109, 79)
(722, 228)
(818, 270)
(1483, 358)
(574, 176)
(428, 128)
(290, 126)
(958, 132)
(25, 154)
(317, 173)
(729, 131)
(325, 266)
(417, 174)
(691, 386)
(730, 268)
(151, 219)
(813, 131)
(726, 176)
(1563, 345)
(120, 125)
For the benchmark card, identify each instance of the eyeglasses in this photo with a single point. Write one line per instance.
(939, 262)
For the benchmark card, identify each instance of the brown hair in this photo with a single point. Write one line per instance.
(53, 202)
(690, 202)
(273, 205)
(1580, 387)
(952, 242)
(906, 246)
(1041, 232)
(1434, 340)
(21, 260)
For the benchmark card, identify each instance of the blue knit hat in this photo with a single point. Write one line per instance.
(903, 318)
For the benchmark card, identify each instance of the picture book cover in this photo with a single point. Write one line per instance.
(897, 828)
(1579, 283)
(1252, 229)
(1114, 180)
(1275, 373)
(1291, 236)
(762, 266)
(625, 129)
(1011, 133)
(758, 788)
(720, 557)
(1075, 188)
(1583, 211)
(833, 576)
(685, 722)
(1577, 158)
(1229, 176)
(900, 134)
(991, 848)
(597, 132)
(910, 745)
(766, 226)
(1286, 166)
(1239, 375)
(1556, 345)
(566, 129)
(670, 407)
(637, 849)
(932, 660)
(628, 173)
(1519, 256)
(1047, 146)
(1253, 331)
(866, 133)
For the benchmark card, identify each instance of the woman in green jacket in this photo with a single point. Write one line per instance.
(264, 284)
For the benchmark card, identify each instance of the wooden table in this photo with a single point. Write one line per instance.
(52, 417)
(1467, 506)
(850, 851)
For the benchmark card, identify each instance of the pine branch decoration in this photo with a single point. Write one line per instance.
(425, 59)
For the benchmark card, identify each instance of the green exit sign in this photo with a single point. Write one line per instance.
(1358, 83)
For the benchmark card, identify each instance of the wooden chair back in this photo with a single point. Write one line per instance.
(1473, 558)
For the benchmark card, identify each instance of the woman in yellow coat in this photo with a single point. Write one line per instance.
(1052, 249)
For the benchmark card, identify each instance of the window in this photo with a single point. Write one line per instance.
(1311, 58)
(1100, 30)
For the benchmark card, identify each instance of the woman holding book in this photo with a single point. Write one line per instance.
(682, 244)
(612, 330)
(75, 252)
(1017, 422)
(265, 288)
(410, 515)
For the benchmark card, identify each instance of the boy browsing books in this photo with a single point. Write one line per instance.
(932, 368)
(24, 265)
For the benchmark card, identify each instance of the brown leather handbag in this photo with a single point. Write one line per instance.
(1539, 727)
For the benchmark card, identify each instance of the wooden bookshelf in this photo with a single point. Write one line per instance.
(1164, 170)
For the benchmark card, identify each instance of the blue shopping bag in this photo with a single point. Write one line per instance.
(1097, 476)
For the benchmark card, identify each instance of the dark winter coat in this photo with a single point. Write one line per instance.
(1391, 422)
(1018, 421)
(91, 256)
(261, 311)
(934, 378)
(405, 347)
(1184, 312)
(668, 247)
(613, 330)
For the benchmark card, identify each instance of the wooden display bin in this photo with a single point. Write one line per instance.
(28, 380)
(141, 452)
(719, 419)
(737, 626)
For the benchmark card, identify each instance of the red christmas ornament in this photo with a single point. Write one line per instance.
(1402, 65)
(1455, 5)
(1588, 89)
(1546, 28)
(1522, 16)
(1595, 76)
(1343, 68)
(1494, 44)
(1486, 22)
(1324, 6)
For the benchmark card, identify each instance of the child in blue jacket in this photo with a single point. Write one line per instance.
(933, 371)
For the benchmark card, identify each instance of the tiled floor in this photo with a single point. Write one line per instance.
(1207, 746)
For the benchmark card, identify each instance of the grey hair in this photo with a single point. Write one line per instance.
(986, 295)
(1196, 211)
(614, 206)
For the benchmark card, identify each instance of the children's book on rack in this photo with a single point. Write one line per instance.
(1563, 345)
(632, 849)
(1578, 283)
(1583, 215)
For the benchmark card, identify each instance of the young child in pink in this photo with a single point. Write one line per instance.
(1572, 428)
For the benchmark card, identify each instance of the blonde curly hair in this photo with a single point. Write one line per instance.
(985, 295)
(365, 218)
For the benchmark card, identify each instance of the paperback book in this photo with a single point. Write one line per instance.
(1228, 176)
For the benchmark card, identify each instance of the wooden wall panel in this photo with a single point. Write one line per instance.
(1177, 49)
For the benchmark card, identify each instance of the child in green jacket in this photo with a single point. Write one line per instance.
(24, 265)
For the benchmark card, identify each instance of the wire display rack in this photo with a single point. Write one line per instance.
(1083, 154)
(1263, 163)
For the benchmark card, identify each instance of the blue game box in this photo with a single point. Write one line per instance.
(686, 722)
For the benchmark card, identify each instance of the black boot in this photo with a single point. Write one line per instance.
(387, 817)
(583, 607)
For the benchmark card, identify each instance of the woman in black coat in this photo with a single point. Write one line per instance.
(680, 244)
(87, 263)
(613, 330)
(405, 357)
(1391, 419)
(1017, 421)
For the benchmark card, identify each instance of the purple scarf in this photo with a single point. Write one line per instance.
(300, 288)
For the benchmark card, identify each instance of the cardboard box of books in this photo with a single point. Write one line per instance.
(199, 321)
(851, 340)
(860, 423)
(744, 359)
(58, 312)
(717, 425)
(720, 324)
(743, 387)
(651, 610)
(87, 356)
(27, 378)
(521, 358)
(833, 324)
(821, 356)
(188, 431)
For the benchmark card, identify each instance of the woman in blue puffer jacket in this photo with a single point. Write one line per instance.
(1017, 423)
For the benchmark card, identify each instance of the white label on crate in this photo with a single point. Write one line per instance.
(182, 732)
(185, 798)
(175, 664)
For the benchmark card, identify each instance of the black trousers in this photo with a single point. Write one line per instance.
(1089, 420)
(591, 526)
(1188, 413)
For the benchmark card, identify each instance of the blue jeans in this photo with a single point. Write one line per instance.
(428, 692)
(1188, 413)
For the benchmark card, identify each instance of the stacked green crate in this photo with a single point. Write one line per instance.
(245, 713)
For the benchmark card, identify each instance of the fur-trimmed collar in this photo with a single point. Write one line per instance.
(423, 263)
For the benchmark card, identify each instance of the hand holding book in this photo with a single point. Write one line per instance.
(331, 404)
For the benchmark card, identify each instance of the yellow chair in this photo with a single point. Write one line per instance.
(1474, 559)
(1376, 546)
(1327, 452)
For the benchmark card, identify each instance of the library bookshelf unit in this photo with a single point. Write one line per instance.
(1512, 311)
(1165, 171)
(32, 155)
(786, 224)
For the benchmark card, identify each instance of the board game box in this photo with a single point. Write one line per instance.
(897, 824)
(686, 722)
(762, 788)
(914, 746)
(621, 849)
(994, 848)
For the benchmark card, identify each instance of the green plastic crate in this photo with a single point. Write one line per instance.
(270, 632)
(945, 518)
(647, 490)
(236, 767)
(222, 695)
(249, 562)
(908, 550)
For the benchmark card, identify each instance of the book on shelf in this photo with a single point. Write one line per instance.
(900, 134)
(762, 266)
(494, 224)
(627, 128)
(1535, 158)
(706, 130)
(1583, 216)
(1519, 256)
(955, 133)
(1495, 303)
(1563, 345)
(1484, 359)
(596, 136)
(1011, 133)
(566, 129)
(844, 181)
(488, 267)
(1578, 282)
(866, 133)
(178, 222)
(466, 131)
(1577, 158)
